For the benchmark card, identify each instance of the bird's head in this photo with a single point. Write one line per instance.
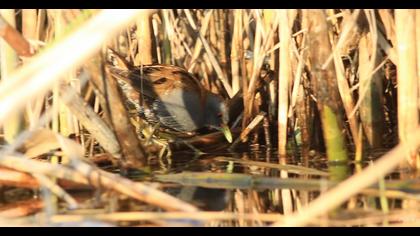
(217, 115)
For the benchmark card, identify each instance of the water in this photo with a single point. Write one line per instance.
(252, 184)
(254, 199)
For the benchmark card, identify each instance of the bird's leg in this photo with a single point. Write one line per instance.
(136, 124)
(153, 133)
(147, 133)
(165, 149)
(197, 152)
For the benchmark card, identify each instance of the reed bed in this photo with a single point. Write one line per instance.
(296, 81)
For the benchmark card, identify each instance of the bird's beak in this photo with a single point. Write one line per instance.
(226, 131)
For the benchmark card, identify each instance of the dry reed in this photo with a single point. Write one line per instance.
(321, 73)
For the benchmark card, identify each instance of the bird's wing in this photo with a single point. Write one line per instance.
(157, 112)
(156, 80)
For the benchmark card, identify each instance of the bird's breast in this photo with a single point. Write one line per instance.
(180, 110)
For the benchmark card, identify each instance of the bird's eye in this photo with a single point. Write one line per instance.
(219, 115)
(161, 80)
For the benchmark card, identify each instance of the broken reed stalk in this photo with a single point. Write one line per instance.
(168, 35)
(9, 63)
(408, 92)
(14, 178)
(40, 23)
(285, 75)
(115, 116)
(223, 27)
(156, 29)
(370, 84)
(285, 78)
(132, 149)
(146, 53)
(12, 36)
(236, 50)
(213, 28)
(29, 19)
(86, 174)
(324, 84)
(21, 209)
(90, 120)
(251, 126)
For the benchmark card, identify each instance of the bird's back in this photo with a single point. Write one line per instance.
(166, 94)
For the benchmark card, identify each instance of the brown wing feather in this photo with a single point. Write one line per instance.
(158, 78)
(167, 77)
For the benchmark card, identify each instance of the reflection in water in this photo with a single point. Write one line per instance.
(262, 163)
(260, 197)
(206, 199)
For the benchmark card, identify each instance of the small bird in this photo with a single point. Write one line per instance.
(170, 96)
